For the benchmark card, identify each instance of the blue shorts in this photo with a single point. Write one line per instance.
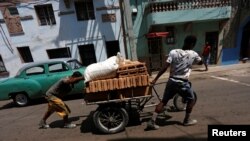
(206, 59)
(182, 87)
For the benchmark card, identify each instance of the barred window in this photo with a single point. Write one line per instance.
(45, 14)
(13, 11)
(84, 10)
(59, 53)
(25, 54)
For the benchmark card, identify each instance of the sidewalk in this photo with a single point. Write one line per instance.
(197, 69)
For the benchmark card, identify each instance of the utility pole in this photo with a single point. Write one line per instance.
(128, 25)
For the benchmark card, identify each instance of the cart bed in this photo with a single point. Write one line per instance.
(118, 95)
(132, 82)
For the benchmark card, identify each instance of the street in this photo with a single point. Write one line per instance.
(223, 98)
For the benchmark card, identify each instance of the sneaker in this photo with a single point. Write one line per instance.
(189, 122)
(69, 125)
(151, 125)
(43, 124)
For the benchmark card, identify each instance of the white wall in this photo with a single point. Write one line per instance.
(68, 32)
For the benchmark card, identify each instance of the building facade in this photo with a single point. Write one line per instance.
(33, 30)
(161, 25)
(144, 30)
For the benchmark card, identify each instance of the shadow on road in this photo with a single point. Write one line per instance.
(60, 124)
(8, 106)
(88, 126)
(38, 101)
(160, 139)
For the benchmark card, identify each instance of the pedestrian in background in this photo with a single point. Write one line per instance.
(206, 55)
(180, 62)
(54, 96)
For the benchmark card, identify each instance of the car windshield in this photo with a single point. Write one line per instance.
(74, 64)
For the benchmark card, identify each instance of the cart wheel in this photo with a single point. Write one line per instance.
(110, 119)
(180, 104)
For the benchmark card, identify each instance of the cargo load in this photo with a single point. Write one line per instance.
(130, 79)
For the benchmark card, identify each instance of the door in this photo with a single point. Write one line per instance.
(112, 47)
(245, 42)
(87, 54)
(212, 39)
(155, 56)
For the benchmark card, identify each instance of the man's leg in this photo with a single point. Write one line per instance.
(151, 124)
(190, 104)
(67, 124)
(206, 63)
(48, 113)
(168, 94)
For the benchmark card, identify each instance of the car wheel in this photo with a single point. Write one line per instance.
(110, 120)
(21, 99)
(180, 104)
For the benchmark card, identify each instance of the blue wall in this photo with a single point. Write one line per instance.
(232, 55)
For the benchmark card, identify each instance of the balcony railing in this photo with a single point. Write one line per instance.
(185, 5)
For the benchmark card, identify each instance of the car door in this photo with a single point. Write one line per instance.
(37, 78)
(57, 71)
(60, 70)
(74, 65)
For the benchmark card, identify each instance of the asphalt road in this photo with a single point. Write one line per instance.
(223, 98)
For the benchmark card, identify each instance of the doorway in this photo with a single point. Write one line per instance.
(212, 39)
(87, 54)
(245, 42)
(155, 53)
(112, 47)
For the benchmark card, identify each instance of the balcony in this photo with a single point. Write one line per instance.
(171, 12)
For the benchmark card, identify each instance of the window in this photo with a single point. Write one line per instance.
(84, 10)
(74, 64)
(87, 54)
(2, 67)
(45, 14)
(13, 11)
(25, 54)
(58, 67)
(35, 70)
(171, 37)
(59, 53)
(13, 21)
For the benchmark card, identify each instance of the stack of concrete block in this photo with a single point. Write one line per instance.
(129, 75)
(117, 83)
(131, 69)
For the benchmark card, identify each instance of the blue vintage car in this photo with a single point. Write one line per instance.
(34, 79)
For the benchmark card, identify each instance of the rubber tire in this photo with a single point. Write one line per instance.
(120, 113)
(21, 99)
(179, 103)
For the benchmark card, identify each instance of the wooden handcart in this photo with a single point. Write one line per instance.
(117, 97)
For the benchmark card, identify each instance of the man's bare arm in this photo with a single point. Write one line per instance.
(163, 69)
(74, 79)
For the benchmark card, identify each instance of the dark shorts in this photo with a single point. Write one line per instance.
(182, 87)
(206, 59)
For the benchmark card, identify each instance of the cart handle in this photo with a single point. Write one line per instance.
(156, 91)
